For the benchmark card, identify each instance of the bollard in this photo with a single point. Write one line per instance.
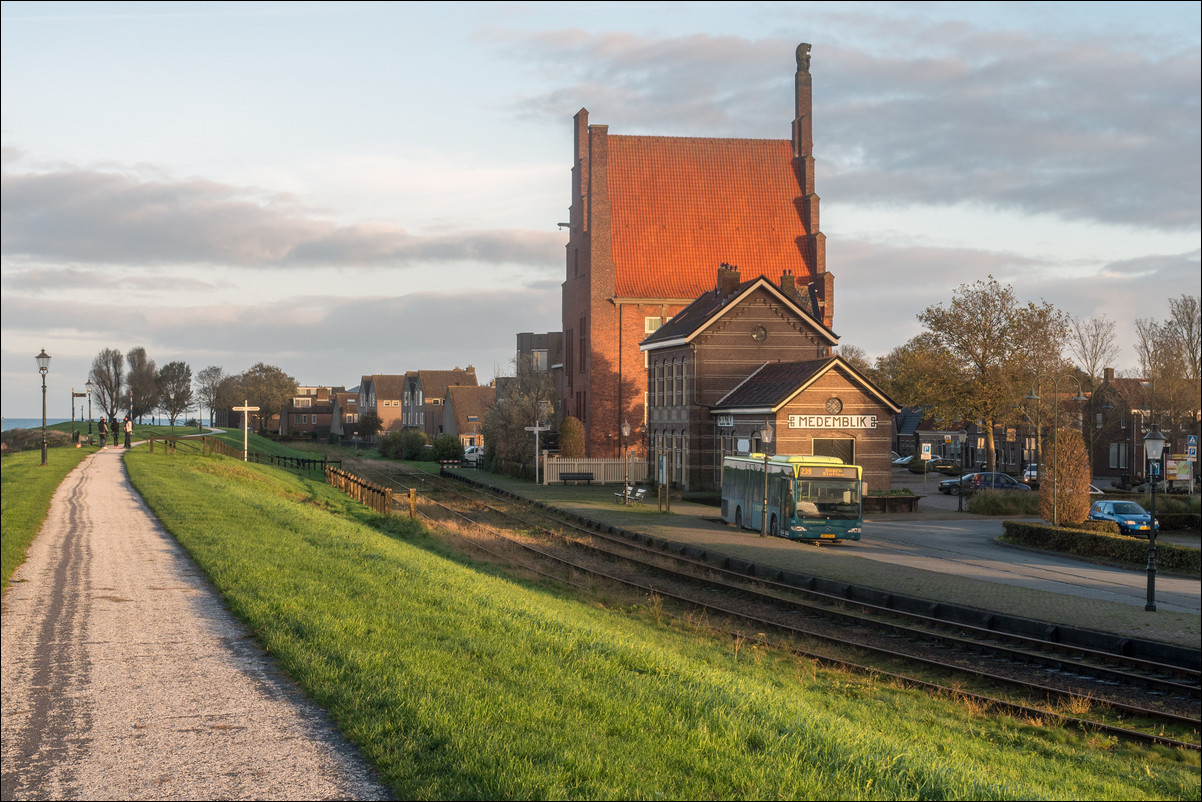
(413, 502)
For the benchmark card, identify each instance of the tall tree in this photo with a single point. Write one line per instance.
(142, 382)
(268, 388)
(208, 385)
(1094, 347)
(175, 389)
(107, 375)
(978, 356)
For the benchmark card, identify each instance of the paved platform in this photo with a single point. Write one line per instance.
(1048, 587)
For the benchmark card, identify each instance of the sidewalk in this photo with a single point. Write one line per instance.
(125, 677)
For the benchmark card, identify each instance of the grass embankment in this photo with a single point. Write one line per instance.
(26, 487)
(458, 683)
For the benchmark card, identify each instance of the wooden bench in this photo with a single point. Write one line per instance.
(579, 476)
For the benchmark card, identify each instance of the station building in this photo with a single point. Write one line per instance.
(752, 355)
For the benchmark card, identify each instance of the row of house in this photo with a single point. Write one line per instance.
(435, 402)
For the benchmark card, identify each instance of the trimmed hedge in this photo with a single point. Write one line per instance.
(1128, 551)
(1179, 521)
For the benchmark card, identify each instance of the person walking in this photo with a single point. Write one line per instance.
(129, 429)
(104, 432)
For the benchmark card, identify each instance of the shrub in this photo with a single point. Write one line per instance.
(413, 444)
(1128, 551)
(571, 437)
(1003, 502)
(447, 447)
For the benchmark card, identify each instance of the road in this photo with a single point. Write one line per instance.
(125, 677)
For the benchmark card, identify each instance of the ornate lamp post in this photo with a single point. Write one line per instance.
(962, 437)
(1080, 398)
(766, 437)
(43, 360)
(89, 385)
(625, 463)
(1153, 448)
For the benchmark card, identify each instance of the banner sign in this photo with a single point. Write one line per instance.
(832, 421)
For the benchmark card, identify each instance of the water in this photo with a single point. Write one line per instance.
(34, 423)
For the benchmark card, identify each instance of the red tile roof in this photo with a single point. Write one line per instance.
(683, 205)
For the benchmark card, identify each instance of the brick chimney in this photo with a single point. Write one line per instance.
(728, 279)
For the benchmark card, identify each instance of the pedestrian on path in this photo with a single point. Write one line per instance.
(104, 432)
(129, 429)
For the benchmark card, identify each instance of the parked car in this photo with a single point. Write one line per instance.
(901, 462)
(472, 455)
(988, 480)
(1031, 473)
(1131, 518)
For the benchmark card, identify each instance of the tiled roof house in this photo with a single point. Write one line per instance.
(652, 217)
(463, 412)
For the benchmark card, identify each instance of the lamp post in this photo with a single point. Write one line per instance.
(625, 463)
(1054, 475)
(962, 437)
(1153, 448)
(43, 360)
(89, 385)
(766, 438)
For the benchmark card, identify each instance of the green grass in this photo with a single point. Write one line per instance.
(26, 488)
(457, 682)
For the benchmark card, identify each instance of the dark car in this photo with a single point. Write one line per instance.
(972, 482)
(1131, 518)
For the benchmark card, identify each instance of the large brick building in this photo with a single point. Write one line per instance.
(651, 219)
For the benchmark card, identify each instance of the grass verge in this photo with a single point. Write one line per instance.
(459, 683)
(26, 487)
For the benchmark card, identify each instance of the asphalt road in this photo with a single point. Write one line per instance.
(125, 677)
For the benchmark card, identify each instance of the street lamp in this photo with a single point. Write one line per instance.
(43, 366)
(962, 437)
(1080, 398)
(625, 463)
(89, 385)
(1153, 448)
(766, 438)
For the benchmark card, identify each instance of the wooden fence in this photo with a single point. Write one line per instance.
(373, 495)
(213, 445)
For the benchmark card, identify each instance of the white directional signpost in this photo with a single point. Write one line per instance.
(245, 424)
(536, 429)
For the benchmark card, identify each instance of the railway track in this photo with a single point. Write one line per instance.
(1131, 698)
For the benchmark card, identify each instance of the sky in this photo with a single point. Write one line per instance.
(341, 189)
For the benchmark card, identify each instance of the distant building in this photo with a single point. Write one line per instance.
(423, 393)
(309, 413)
(345, 413)
(382, 394)
(463, 412)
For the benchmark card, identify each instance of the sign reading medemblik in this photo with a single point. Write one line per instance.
(832, 421)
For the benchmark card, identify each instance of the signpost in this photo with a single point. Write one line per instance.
(245, 424)
(536, 429)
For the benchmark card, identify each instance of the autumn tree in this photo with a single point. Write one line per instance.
(108, 381)
(1064, 489)
(142, 383)
(268, 388)
(369, 424)
(175, 389)
(978, 356)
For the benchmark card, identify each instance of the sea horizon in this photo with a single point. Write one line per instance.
(36, 423)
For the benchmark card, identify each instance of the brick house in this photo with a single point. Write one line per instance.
(309, 413)
(650, 218)
(345, 413)
(381, 394)
(749, 353)
(463, 412)
(423, 394)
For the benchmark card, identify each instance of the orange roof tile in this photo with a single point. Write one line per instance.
(683, 205)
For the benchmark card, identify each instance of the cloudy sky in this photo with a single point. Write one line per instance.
(343, 188)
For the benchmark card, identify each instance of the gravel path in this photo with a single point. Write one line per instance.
(124, 676)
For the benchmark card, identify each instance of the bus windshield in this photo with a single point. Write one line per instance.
(828, 499)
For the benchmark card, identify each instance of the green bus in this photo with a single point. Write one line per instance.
(809, 498)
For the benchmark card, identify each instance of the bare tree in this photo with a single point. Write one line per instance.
(107, 377)
(143, 384)
(1093, 345)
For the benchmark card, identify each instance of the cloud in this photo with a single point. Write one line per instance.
(1094, 129)
(139, 216)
